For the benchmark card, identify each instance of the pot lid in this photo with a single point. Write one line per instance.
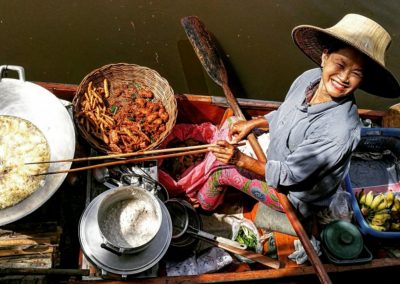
(342, 239)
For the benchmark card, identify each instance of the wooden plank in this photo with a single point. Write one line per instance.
(266, 274)
(26, 251)
(285, 247)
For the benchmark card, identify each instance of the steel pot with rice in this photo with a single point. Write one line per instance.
(129, 218)
(35, 126)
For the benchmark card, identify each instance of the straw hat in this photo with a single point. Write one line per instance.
(363, 34)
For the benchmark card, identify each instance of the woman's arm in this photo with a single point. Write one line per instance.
(229, 154)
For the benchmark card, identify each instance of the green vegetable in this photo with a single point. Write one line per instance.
(114, 109)
(247, 237)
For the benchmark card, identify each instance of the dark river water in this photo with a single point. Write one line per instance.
(62, 41)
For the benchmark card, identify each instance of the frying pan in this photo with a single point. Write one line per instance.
(29, 101)
(181, 227)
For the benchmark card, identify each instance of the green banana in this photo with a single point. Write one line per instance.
(369, 198)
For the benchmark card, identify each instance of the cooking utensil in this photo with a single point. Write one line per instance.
(208, 55)
(129, 218)
(180, 225)
(31, 102)
(128, 161)
(102, 175)
(111, 264)
(141, 153)
(185, 245)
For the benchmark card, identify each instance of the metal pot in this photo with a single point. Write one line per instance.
(39, 106)
(129, 218)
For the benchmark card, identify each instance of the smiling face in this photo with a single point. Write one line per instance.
(342, 73)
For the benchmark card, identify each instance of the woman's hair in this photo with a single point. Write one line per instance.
(330, 43)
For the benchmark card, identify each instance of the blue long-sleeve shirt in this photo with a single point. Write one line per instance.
(311, 145)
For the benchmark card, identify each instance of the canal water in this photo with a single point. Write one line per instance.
(62, 41)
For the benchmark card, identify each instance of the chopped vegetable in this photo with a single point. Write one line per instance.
(247, 237)
(114, 109)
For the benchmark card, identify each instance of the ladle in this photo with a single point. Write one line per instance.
(180, 224)
(102, 175)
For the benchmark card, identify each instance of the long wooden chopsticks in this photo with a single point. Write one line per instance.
(132, 154)
(183, 152)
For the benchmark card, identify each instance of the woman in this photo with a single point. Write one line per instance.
(315, 130)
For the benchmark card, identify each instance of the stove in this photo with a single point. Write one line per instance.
(102, 263)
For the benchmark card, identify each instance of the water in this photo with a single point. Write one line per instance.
(62, 41)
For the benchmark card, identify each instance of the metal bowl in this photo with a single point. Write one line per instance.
(37, 105)
(129, 218)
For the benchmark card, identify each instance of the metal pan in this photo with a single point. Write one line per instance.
(39, 106)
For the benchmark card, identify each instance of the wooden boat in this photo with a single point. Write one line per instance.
(196, 109)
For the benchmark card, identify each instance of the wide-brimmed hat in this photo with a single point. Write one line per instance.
(364, 35)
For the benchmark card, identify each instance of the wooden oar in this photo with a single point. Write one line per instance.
(207, 52)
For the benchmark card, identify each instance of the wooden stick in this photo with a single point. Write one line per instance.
(128, 161)
(132, 154)
(257, 257)
(44, 271)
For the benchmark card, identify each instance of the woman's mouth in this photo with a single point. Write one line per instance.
(338, 86)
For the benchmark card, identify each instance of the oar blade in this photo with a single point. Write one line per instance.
(204, 48)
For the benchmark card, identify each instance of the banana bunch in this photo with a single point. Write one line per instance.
(381, 211)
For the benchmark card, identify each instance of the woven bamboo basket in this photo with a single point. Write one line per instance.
(122, 74)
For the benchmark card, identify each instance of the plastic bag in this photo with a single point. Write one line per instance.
(247, 224)
(339, 209)
(194, 175)
(340, 206)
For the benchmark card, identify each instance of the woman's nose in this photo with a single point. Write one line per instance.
(344, 76)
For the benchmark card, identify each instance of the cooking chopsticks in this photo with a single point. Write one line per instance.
(132, 154)
(141, 159)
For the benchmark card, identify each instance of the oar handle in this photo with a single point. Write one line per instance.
(258, 151)
(257, 257)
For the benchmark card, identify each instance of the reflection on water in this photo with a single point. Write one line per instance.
(62, 41)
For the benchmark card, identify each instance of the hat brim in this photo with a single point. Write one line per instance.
(378, 80)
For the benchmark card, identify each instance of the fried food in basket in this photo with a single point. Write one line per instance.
(129, 118)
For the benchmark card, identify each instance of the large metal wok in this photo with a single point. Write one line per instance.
(39, 106)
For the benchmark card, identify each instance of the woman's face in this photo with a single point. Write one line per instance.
(342, 72)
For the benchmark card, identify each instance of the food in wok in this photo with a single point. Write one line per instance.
(20, 142)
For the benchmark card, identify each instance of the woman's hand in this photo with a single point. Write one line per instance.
(241, 128)
(225, 152)
(229, 154)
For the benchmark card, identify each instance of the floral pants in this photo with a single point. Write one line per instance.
(211, 194)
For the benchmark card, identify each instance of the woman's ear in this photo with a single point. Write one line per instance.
(324, 57)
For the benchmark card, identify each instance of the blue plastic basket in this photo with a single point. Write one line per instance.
(377, 134)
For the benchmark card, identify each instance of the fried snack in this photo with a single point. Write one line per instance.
(124, 118)
(20, 142)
